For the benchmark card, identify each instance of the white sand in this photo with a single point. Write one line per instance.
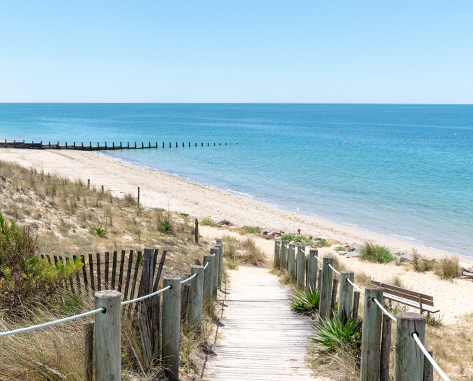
(165, 191)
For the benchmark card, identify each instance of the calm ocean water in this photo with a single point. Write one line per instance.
(400, 170)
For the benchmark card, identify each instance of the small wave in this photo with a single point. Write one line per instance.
(241, 193)
(409, 239)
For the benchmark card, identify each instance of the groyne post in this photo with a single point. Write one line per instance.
(108, 336)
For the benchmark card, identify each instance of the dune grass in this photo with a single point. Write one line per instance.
(375, 253)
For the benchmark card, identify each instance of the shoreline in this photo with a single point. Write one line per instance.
(166, 191)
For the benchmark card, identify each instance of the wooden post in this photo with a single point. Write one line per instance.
(291, 262)
(214, 251)
(108, 336)
(196, 296)
(326, 288)
(88, 183)
(409, 359)
(312, 270)
(356, 304)
(345, 296)
(333, 299)
(428, 368)
(277, 249)
(370, 340)
(89, 351)
(196, 231)
(171, 326)
(219, 245)
(208, 277)
(300, 266)
(319, 285)
(283, 264)
(138, 197)
(385, 349)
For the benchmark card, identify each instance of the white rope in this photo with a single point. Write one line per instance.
(20, 330)
(206, 265)
(354, 285)
(384, 310)
(287, 247)
(303, 251)
(333, 269)
(188, 279)
(429, 357)
(146, 296)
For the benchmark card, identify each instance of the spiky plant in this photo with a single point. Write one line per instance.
(336, 333)
(305, 302)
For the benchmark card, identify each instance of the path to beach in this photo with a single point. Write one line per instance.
(261, 338)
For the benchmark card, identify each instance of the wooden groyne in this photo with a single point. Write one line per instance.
(98, 147)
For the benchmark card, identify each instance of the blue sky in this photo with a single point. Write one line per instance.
(237, 51)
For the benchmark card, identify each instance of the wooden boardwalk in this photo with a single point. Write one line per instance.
(261, 338)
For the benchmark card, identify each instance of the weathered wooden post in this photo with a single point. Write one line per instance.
(409, 359)
(345, 297)
(196, 231)
(88, 183)
(215, 251)
(138, 197)
(356, 303)
(283, 264)
(428, 368)
(385, 349)
(108, 355)
(312, 270)
(196, 293)
(208, 277)
(291, 262)
(219, 245)
(333, 299)
(171, 326)
(300, 266)
(319, 285)
(371, 338)
(326, 288)
(89, 351)
(277, 249)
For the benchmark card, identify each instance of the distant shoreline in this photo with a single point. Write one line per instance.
(166, 191)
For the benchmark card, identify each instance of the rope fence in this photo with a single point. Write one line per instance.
(373, 321)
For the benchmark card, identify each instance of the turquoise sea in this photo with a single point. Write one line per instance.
(401, 170)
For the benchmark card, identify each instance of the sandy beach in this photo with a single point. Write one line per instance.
(173, 193)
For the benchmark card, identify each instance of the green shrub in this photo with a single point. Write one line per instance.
(305, 302)
(341, 248)
(165, 227)
(375, 253)
(337, 333)
(251, 229)
(207, 221)
(303, 240)
(287, 237)
(24, 277)
(323, 243)
(130, 200)
(448, 268)
(99, 232)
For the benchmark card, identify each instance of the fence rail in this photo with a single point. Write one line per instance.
(413, 362)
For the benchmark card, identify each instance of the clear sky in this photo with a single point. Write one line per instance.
(332, 51)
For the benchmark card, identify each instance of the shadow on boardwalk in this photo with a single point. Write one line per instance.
(261, 338)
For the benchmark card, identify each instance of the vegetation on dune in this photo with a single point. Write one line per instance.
(207, 221)
(375, 253)
(244, 252)
(305, 301)
(251, 229)
(336, 333)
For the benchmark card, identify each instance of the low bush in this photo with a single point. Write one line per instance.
(323, 243)
(334, 334)
(130, 200)
(99, 232)
(341, 248)
(207, 221)
(304, 301)
(448, 268)
(165, 227)
(24, 277)
(422, 265)
(254, 255)
(375, 253)
(251, 229)
(303, 240)
(287, 237)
